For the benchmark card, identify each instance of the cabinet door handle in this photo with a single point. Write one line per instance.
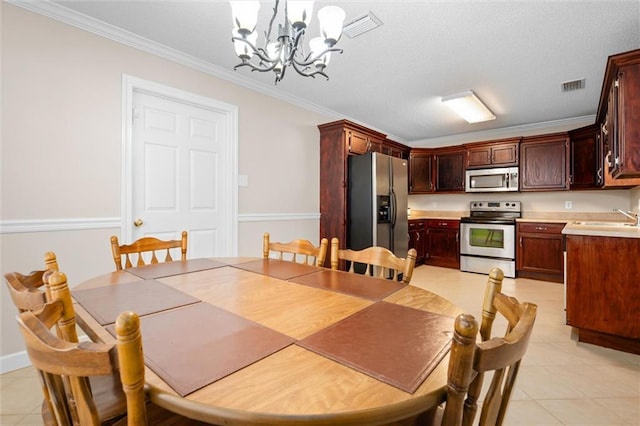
(457, 237)
(520, 241)
(538, 228)
(418, 236)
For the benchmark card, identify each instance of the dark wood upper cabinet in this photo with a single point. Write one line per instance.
(421, 171)
(619, 115)
(586, 164)
(501, 153)
(363, 141)
(395, 149)
(544, 162)
(449, 166)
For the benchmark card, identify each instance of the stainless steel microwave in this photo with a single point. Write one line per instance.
(492, 180)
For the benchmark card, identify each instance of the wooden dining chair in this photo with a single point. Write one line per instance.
(296, 250)
(30, 291)
(148, 245)
(77, 362)
(470, 360)
(377, 261)
(59, 401)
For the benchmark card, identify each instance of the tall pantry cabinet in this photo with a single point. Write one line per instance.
(338, 140)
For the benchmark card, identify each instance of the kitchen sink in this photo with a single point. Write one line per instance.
(614, 224)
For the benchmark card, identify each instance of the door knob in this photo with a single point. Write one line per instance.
(138, 222)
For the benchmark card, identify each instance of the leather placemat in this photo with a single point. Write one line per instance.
(176, 267)
(352, 284)
(276, 268)
(194, 346)
(105, 303)
(392, 343)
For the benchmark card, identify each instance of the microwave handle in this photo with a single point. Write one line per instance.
(512, 176)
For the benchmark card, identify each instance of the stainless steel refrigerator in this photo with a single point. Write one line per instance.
(377, 204)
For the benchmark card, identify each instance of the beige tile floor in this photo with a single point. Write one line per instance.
(561, 381)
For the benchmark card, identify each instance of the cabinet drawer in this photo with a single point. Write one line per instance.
(541, 227)
(416, 224)
(444, 223)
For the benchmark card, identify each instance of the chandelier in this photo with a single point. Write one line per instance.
(286, 48)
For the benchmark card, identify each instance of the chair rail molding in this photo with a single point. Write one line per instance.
(52, 225)
(274, 217)
(18, 226)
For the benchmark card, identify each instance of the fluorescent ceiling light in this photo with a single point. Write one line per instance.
(468, 106)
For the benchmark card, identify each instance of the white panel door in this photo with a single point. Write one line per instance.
(179, 174)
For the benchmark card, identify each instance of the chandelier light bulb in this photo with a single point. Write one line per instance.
(273, 51)
(245, 16)
(331, 19)
(317, 46)
(244, 50)
(299, 13)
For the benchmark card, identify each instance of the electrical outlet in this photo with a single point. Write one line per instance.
(568, 205)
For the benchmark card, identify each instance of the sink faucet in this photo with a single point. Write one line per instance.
(630, 215)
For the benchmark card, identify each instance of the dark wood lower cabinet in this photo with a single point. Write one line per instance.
(603, 295)
(443, 243)
(539, 251)
(418, 238)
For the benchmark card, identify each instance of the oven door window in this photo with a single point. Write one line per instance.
(489, 238)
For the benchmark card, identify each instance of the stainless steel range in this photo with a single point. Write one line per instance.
(488, 237)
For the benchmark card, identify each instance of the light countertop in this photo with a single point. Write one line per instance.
(578, 223)
(601, 229)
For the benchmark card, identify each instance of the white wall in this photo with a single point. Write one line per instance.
(635, 199)
(61, 158)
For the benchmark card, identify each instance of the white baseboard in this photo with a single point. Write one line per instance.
(14, 361)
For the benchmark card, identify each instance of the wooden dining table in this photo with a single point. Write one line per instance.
(255, 341)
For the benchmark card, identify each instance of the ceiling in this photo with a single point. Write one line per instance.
(513, 54)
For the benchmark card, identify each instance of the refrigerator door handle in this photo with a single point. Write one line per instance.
(394, 208)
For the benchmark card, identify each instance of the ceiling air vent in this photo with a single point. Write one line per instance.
(569, 86)
(361, 24)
